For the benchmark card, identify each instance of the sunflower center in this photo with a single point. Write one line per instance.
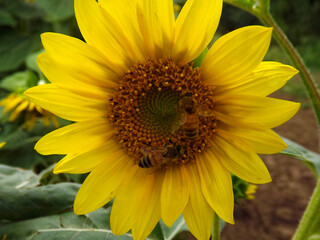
(162, 113)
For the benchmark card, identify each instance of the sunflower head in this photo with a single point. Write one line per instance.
(157, 104)
(158, 133)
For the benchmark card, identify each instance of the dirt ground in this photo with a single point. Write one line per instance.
(275, 212)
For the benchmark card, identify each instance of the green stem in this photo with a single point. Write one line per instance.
(310, 222)
(284, 42)
(216, 227)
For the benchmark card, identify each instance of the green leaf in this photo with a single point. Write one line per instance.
(15, 47)
(26, 11)
(314, 237)
(31, 61)
(178, 227)
(19, 81)
(67, 225)
(17, 178)
(18, 204)
(307, 156)
(198, 61)
(252, 6)
(6, 19)
(13, 136)
(56, 10)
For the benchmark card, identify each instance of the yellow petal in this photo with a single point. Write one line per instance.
(216, 185)
(76, 138)
(84, 61)
(240, 159)
(265, 79)
(195, 27)
(2, 144)
(236, 54)
(145, 225)
(174, 193)
(102, 183)
(261, 141)
(95, 29)
(132, 200)
(66, 104)
(85, 162)
(198, 214)
(70, 78)
(123, 16)
(156, 22)
(11, 102)
(15, 114)
(254, 112)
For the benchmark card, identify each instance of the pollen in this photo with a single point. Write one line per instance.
(147, 110)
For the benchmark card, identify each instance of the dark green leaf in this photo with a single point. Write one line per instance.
(56, 10)
(14, 136)
(6, 19)
(15, 47)
(19, 81)
(26, 11)
(18, 204)
(310, 158)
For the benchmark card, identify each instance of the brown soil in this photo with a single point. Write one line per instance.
(275, 212)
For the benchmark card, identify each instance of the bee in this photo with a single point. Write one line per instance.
(155, 157)
(188, 116)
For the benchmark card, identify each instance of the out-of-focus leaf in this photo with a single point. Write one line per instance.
(27, 11)
(307, 156)
(198, 61)
(314, 237)
(157, 233)
(25, 157)
(179, 1)
(6, 19)
(56, 10)
(15, 47)
(179, 226)
(31, 61)
(17, 178)
(18, 204)
(19, 81)
(252, 6)
(14, 136)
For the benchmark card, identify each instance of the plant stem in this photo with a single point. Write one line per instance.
(310, 222)
(216, 227)
(309, 83)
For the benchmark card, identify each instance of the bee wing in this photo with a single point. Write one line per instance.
(178, 122)
(204, 111)
(147, 150)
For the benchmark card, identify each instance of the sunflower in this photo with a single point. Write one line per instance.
(18, 105)
(158, 134)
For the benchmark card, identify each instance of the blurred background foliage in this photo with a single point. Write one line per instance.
(31, 197)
